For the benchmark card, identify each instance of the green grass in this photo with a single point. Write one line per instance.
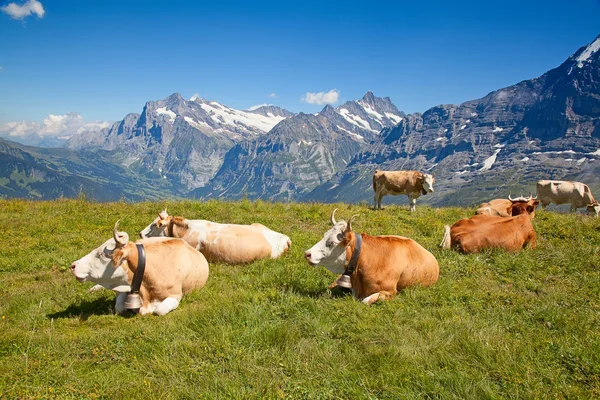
(496, 325)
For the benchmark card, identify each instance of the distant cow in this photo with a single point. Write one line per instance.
(385, 264)
(577, 194)
(506, 207)
(410, 183)
(227, 243)
(481, 232)
(172, 268)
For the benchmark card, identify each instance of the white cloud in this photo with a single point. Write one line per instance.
(60, 126)
(259, 106)
(30, 7)
(321, 98)
(273, 95)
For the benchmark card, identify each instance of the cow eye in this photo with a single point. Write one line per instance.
(340, 236)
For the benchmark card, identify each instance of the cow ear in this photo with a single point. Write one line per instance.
(119, 255)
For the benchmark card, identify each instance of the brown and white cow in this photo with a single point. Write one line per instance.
(578, 194)
(410, 183)
(506, 207)
(481, 232)
(173, 268)
(385, 265)
(227, 243)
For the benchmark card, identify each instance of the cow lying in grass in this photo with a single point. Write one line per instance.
(507, 207)
(481, 232)
(172, 268)
(385, 264)
(227, 243)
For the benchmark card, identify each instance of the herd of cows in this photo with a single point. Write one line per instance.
(172, 256)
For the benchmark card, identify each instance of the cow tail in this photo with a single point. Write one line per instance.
(445, 244)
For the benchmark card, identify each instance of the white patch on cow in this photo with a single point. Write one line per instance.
(328, 252)
(97, 267)
(487, 164)
(279, 242)
(393, 117)
(166, 306)
(170, 114)
(371, 299)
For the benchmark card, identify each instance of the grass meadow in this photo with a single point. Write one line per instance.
(496, 325)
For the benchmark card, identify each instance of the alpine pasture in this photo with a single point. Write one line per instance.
(495, 325)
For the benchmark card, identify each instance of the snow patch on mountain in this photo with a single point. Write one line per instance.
(229, 116)
(587, 53)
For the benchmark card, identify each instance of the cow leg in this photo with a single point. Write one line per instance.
(573, 208)
(413, 204)
(120, 302)
(166, 306)
(377, 199)
(544, 204)
(382, 295)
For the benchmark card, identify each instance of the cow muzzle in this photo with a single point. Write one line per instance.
(72, 268)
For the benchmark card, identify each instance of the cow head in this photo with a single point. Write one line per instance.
(427, 181)
(594, 208)
(158, 226)
(330, 251)
(101, 265)
(521, 205)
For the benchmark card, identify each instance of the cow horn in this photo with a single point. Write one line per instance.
(510, 198)
(333, 221)
(349, 226)
(120, 239)
(163, 214)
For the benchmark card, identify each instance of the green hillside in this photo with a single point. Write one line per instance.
(496, 325)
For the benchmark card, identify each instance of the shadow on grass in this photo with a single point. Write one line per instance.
(319, 293)
(102, 306)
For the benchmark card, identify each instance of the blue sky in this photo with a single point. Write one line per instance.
(100, 59)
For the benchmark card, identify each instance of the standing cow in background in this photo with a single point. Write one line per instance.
(410, 183)
(577, 194)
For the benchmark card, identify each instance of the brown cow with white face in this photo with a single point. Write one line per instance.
(173, 268)
(481, 232)
(227, 243)
(506, 207)
(410, 183)
(385, 265)
(594, 208)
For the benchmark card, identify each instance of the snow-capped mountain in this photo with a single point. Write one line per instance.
(182, 141)
(542, 128)
(301, 152)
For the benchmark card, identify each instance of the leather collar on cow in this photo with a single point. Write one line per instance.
(353, 263)
(136, 282)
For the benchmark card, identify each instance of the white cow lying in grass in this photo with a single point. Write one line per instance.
(172, 268)
(228, 243)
